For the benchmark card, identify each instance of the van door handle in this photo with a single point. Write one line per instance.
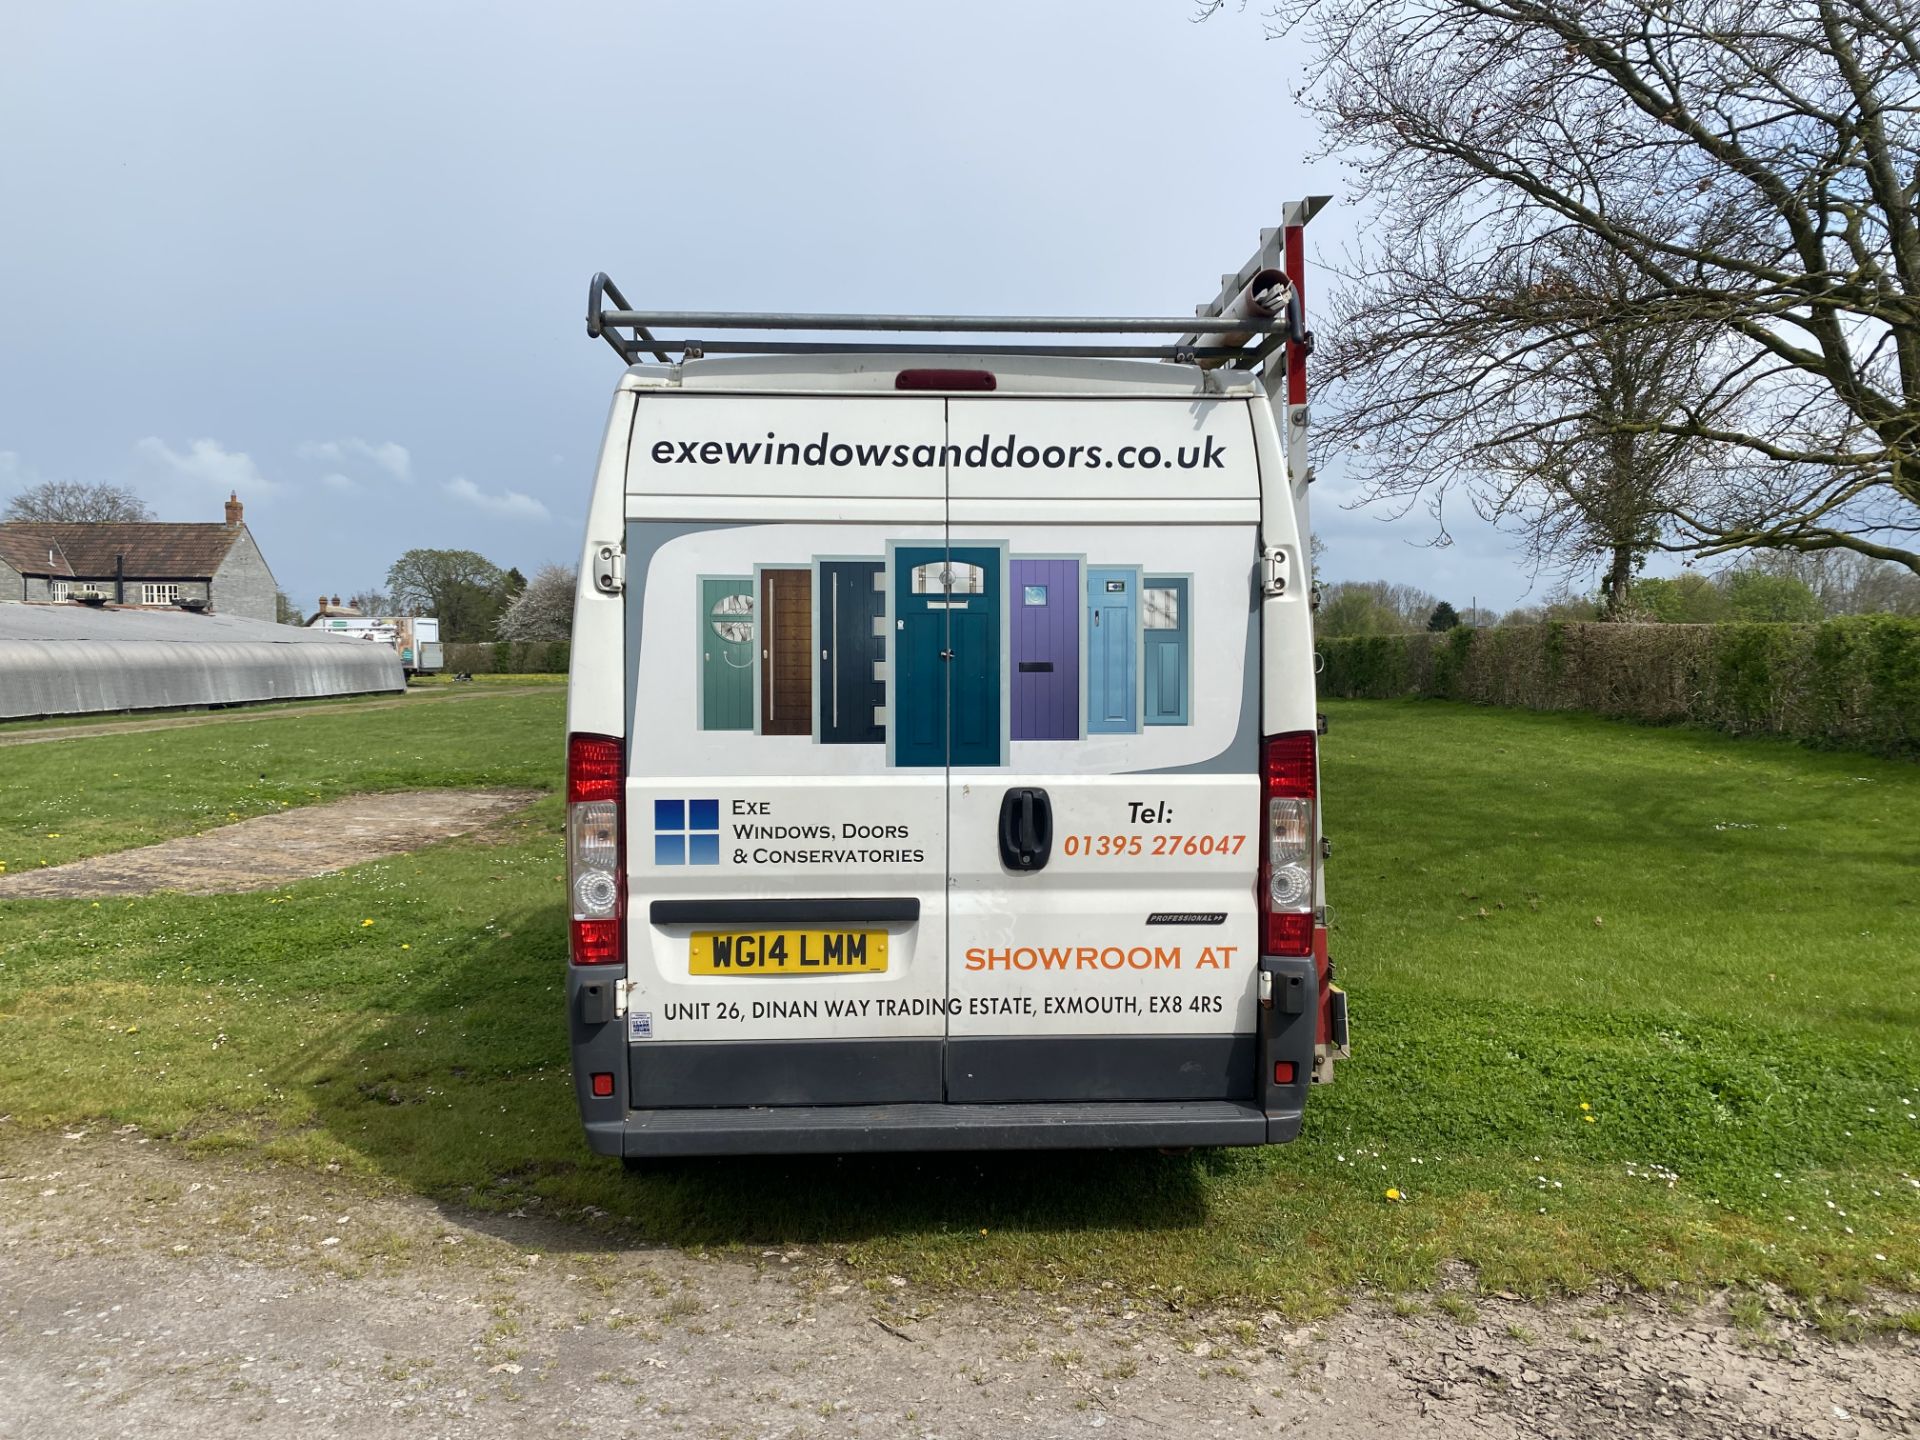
(1026, 829)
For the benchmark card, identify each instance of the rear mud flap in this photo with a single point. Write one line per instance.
(1288, 1026)
(599, 1048)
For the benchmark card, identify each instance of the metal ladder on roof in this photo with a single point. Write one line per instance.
(1257, 318)
(1257, 322)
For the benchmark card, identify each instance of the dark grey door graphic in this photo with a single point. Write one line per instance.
(852, 646)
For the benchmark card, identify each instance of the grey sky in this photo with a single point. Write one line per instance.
(335, 256)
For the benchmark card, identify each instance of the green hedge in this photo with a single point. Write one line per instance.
(1852, 682)
(509, 657)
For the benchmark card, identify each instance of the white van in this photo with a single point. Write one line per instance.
(941, 759)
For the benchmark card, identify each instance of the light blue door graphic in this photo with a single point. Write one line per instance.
(1113, 683)
(946, 691)
(1166, 677)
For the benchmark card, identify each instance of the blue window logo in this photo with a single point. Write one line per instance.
(686, 832)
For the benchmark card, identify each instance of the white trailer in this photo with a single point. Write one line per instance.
(415, 638)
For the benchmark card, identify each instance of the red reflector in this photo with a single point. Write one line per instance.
(1282, 1075)
(1290, 764)
(1290, 933)
(596, 942)
(602, 1083)
(593, 767)
(945, 380)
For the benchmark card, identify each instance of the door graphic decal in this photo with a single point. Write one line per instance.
(786, 649)
(947, 665)
(852, 647)
(1164, 618)
(1044, 631)
(1112, 679)
(726, 641)
(804, 649)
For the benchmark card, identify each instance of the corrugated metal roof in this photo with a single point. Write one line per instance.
(78, 660)
(151, 548)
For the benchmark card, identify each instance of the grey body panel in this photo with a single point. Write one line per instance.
(1001, 1070)
(713, 1074)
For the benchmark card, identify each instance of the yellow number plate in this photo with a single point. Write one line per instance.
(787, 952)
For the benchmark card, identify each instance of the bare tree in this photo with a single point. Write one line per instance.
(1372, 607)
(76, 500)
(1754, 162)
(1846, 583)
(544, 610)
(1554, 434)
(370, 602)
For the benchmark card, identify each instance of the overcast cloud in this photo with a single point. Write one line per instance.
(335, 257)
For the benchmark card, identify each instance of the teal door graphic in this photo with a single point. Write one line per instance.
(946, 690)
(727, 655)
(1112, 679)
(1163, 636)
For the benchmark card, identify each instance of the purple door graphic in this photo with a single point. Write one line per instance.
(1043, 600)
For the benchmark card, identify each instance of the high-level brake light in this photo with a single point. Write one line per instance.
(945, 380)
(596, 872)
(1286, 844)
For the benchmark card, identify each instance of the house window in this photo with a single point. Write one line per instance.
(60, 589)
(159, 594)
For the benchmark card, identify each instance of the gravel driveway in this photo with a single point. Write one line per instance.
(147, 1292)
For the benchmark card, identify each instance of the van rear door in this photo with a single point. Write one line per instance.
(787, 933)
(1104, 793)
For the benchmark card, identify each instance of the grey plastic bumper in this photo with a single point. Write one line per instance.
(850, 1129)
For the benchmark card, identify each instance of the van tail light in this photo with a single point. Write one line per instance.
(1287, 851)
(596, 850)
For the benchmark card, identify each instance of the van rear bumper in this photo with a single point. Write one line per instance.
(852, 1129)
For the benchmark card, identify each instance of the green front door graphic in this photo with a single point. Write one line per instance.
(920, 635)
(973, 635)
(726, 639)
(946, 694)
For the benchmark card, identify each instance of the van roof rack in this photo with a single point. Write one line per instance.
(1256, 313)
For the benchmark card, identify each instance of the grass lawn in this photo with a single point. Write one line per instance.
(1628, 1002)
(91, 794)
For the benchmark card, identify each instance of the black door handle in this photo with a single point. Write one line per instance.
(1026, 829)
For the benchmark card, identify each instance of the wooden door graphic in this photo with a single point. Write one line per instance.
(1166, 677)
(1112, 676)
(1043, 624)
(726, 641)
(786, 650)
(852, 645)
(946, 683)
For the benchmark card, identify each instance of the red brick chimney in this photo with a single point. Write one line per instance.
(234, 507)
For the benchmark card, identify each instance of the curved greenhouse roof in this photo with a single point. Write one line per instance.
(76, 660)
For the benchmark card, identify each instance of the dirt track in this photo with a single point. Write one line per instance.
(273, 849)
(146, 1293)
